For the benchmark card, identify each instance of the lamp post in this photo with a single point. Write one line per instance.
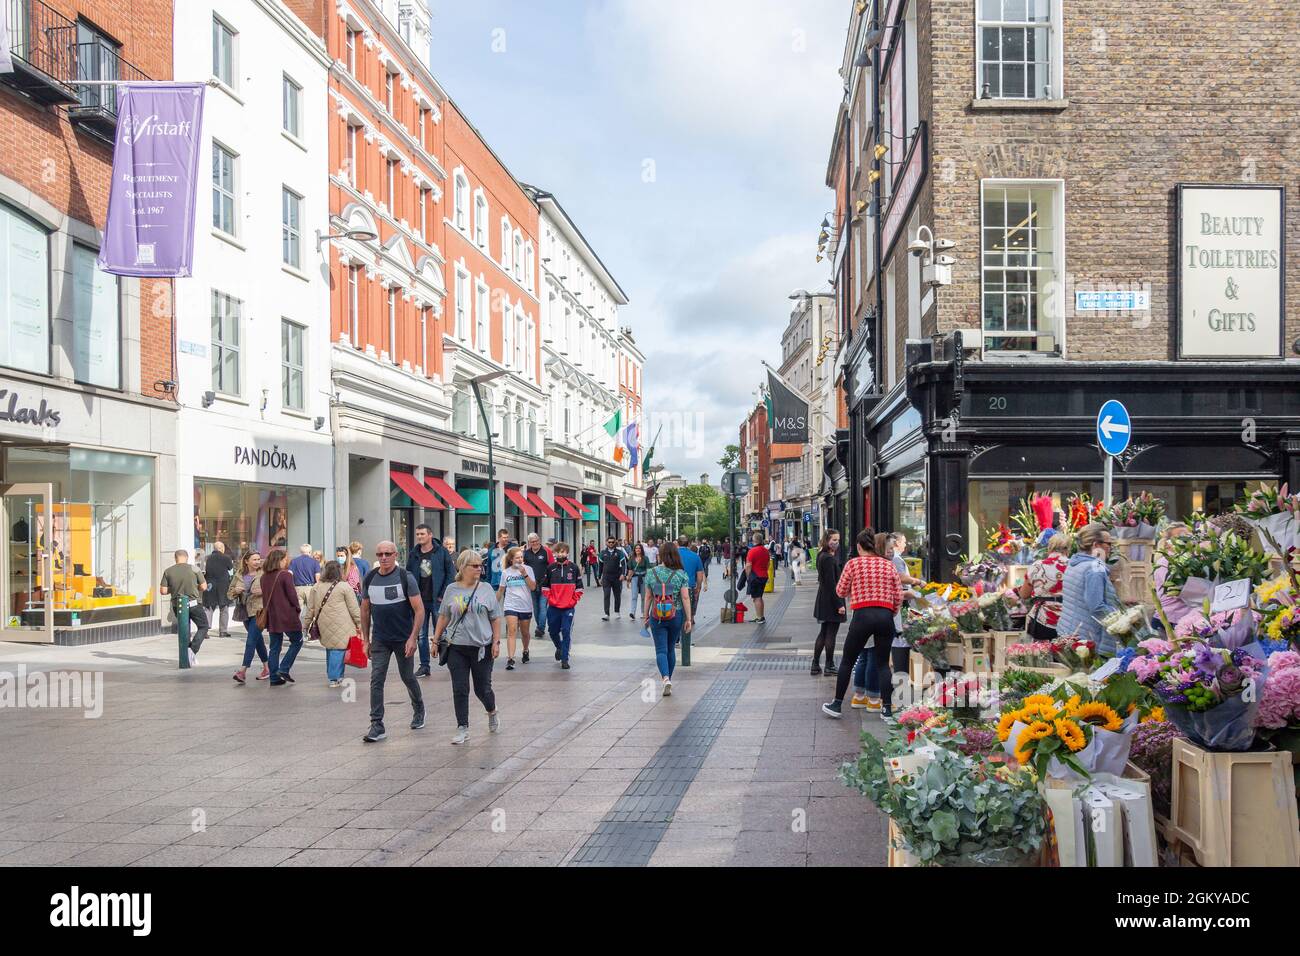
(476, 384)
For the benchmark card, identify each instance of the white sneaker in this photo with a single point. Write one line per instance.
(191, 653)
(668, 687)
(494, 723)
(462, 735)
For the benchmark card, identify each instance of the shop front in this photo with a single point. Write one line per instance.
(986, 434)
(81, 516)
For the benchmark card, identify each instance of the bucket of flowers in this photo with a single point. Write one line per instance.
(929, 634)
(1273, 511)
(969, 618)
(1030, 654)
(995, 611)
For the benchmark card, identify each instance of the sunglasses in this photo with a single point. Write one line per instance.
(385, 554)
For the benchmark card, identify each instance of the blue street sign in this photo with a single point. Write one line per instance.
(767, 523)
(1114, 428)
(808, 516)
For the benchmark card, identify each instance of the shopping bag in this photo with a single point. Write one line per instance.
(356, 653)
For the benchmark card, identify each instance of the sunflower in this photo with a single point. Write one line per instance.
(1099, 715)
(1024, 757)
(1072, 734)
(1039, 711)
(1156, 716)
(1072, 705)
(1035, 700)
(1005, 724)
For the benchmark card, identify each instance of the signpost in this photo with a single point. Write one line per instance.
(1114, 431)
(735, 485)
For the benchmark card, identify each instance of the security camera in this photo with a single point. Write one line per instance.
(944, 244)
(918, 247)
(944, 260)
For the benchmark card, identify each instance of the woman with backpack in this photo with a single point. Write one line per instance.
(668, 612)
(246, 593)
(333, 612)
(281, 615)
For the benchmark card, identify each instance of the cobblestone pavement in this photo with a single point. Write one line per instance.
(591, 766)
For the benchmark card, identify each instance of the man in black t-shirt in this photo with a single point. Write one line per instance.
(612, 563)
(391, 614)
(434, 567)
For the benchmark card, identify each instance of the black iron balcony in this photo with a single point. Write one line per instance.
(96, 107)
(43, 46)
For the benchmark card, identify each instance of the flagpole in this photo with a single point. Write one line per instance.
(211, 82)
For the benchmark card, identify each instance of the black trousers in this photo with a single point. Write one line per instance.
(616, 588)
(826, 639)
(464, 662)
(869, 622)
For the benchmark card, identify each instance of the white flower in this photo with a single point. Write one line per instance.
(1083, 652)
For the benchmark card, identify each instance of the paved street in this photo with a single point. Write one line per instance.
(591, 767)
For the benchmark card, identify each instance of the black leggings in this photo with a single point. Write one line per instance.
(869, 622)
(826, 638)
(465, 663)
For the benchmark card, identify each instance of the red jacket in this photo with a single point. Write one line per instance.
(562, 585)
(871, 582)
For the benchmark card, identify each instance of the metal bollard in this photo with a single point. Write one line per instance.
(183, 632)
(686, 649)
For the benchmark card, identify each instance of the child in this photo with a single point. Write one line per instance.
(562, 586)
(517, 581)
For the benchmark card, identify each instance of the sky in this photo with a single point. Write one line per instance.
(688, 139)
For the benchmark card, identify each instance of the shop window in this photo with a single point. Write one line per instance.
(290, 227)
(1021, 266)
(226, 318)
(224, 172)
(1017, 49)
(24, 293)
(246, 516)
(96, 322)
(292, 366)
(907, 509)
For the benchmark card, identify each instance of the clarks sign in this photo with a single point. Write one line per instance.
(1231, 256)
(13, 410)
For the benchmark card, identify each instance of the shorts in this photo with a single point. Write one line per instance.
(521, 615)
(756, 586)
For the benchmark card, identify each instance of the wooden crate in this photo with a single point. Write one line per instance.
(898, 856)
(1134, 549)
(1056, 670)
(977, 652)
(919, 669)
(1000, 641)
(1133, 581)
(1235, 809)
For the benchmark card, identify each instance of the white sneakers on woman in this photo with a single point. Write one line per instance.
(462, 735)
(668, 687)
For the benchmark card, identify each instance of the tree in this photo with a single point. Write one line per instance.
(656, 531)
(705, 499)
(730, 458)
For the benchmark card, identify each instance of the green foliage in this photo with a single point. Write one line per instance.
(656, 531)
(710, 502)
(730, 457)
(1216, 557)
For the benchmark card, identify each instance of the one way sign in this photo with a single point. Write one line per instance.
(1114, 428)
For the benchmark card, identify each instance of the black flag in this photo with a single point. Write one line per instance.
(789, 414)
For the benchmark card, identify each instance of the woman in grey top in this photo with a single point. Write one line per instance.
(470, 619)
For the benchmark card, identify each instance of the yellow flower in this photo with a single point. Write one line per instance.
(1156, 716)
(1006, 723)
(1024, 757)
(1270, 590)
(1072, 705)
(1035, 731)
(1072, 734)
(1099, 715)
(1033, 700)
(1039, 711)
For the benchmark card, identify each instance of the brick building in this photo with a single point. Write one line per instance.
(1118, 230)
(87, 362)
(756, 458)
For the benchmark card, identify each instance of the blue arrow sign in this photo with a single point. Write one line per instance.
(1114, 428)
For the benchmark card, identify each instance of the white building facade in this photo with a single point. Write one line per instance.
(255, 456)
(807, 357)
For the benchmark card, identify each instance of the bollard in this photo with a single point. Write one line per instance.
(686, 649)
(183, 631)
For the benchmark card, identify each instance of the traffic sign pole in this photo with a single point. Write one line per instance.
(1114, 432)
(1108, 477)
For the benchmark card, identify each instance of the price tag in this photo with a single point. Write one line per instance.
(1231, 596)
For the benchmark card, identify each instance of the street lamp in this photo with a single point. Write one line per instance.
(359, 235)
(475, 383)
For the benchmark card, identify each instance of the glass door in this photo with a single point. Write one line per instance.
(26, 514)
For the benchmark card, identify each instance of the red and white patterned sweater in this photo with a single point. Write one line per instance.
(871, 582)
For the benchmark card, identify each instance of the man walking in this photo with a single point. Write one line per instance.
(496, 558)
(306, 572)
(391, 614)
(217, 571)
(758, 563)
(538, 559)
(184, 584)
(706, 558)
(613, 569)
(433, 567)
(562, 586)
(693, 566)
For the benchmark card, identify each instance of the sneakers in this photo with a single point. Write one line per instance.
(873, 705)
(266, 672)
(524, 659)
(816, 671)
(860, 701)
(374, 734)
(336, 683)
(557, 653)
(287, 678)
(462, 735)
(831, 670)
(759, 620)
(604, 617)
(510, 663)
(424, 672)
(631, 617)
(564, 665)
(238, 676)
(833, 709)
(668, 687)
(494, 722)
(191, 653)
(417, 722)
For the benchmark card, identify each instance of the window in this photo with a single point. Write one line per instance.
(1021, 233)
(390, 185)
(480, 222)
(460, 412)
(483, 311)
(532, 431)
(291, 364)
(96, 325)
(291, 227)
(354, 305)
(388, 92)
(424, 214)
(223, 52)
(352, 154)
(530, 350)
(292, 97)
(528, 264)
(351, 43)
(462, 203)
(1016, 44)
(505, 244)
(520, 427)
(519, 256)
(223, 189)
(98, 58)
(423, 137)
(507, 337)
(424, 340)
(24, 293)
(392, 325)
(227, 314)
(505, 426)
(462, 305)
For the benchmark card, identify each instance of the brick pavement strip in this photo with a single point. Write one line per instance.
(185, 768)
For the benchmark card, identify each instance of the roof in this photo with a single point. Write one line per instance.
(547, 200)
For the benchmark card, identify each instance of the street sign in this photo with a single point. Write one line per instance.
(736, 483)
(807, 516)
(766, 523)
(1114, 428)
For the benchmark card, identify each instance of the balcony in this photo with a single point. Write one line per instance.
(96, 106)
(43, 45)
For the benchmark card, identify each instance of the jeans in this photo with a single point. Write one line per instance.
(539, 611)
(255, 642)
(380, 654)
(464, 663)
(666, 634)
(864, 678)
(427, 628)
(635, 592)
(869, 622)
(559, 621)
(614, 587)
(278, 666)
(334, 663)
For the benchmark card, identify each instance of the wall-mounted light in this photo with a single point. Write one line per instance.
(320, 422)
(209, 398)
(880, 150)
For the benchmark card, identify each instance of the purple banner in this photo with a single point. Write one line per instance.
(150, 230)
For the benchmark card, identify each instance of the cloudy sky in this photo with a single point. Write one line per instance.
(689, 140)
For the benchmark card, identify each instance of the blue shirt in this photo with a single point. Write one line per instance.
(304, 568)
(362, 565)
(691, 564)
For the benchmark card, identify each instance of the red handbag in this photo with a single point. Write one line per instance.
(356, 652)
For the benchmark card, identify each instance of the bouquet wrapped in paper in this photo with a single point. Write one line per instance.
(995, 610)
(968, 617)
(1276, 514)
(1130, 625)
(1067, 740)
(928, 634)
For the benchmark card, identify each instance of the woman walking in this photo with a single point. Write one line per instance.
(515, 594)
(668, 612)
(283, 615)
(637, 569)
(589, 561)
(1042, 589)
(829, 607)
(349, 572)
(333, 610)
(469, 619)
(875, 594)
(245, 593)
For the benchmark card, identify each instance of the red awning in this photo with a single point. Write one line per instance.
(571, 507)
(447, 492)
(416, 491)
(522, 503)
(540, 504)
(618, 513)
